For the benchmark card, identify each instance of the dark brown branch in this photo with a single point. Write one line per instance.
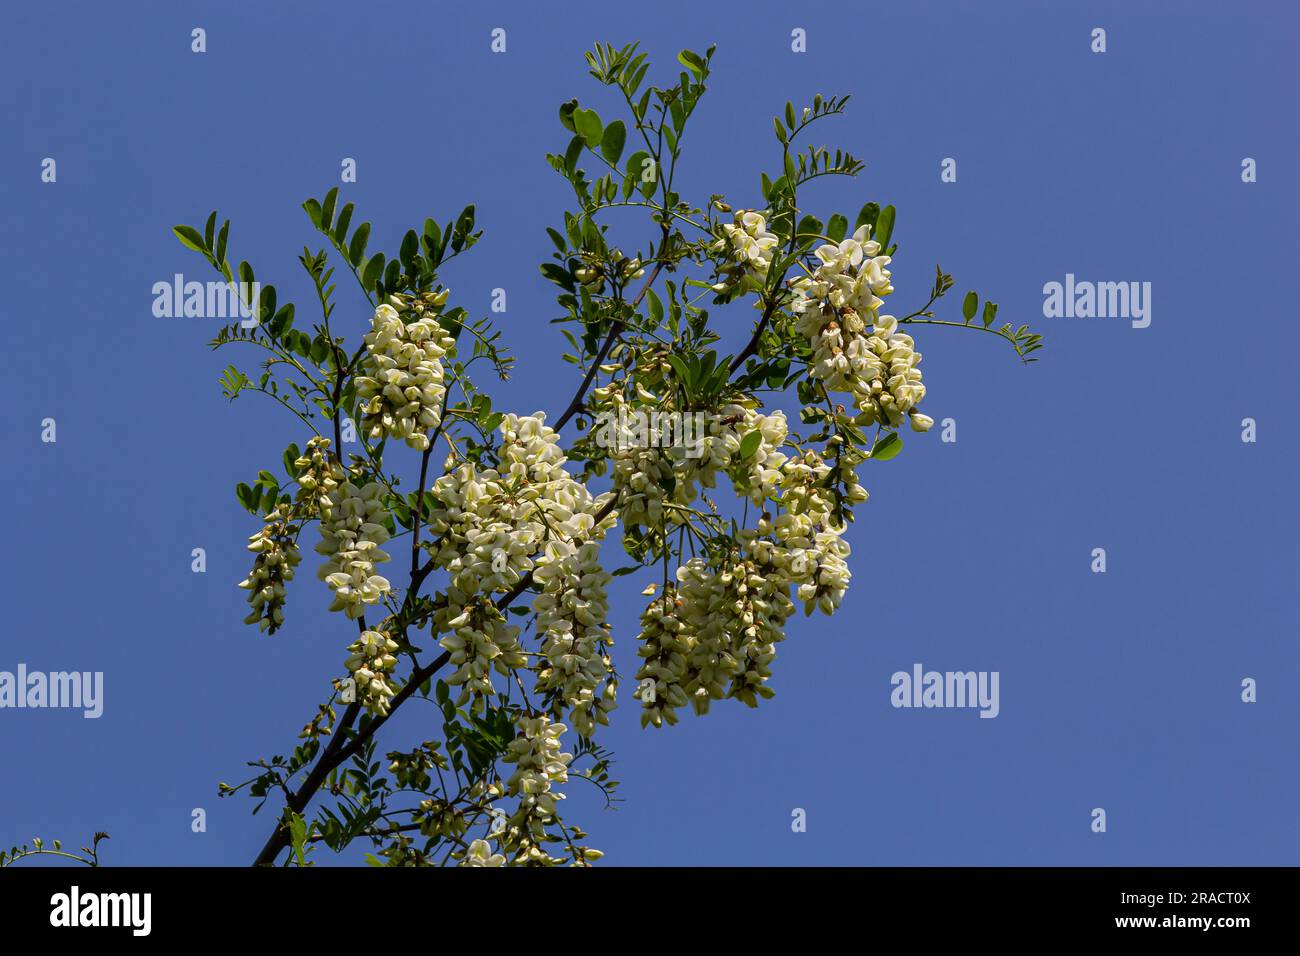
(615, 330)
(752, 347)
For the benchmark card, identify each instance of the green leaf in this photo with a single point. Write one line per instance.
(990, 312)
(282, 321)
(572, 153)
(566, 115)
(190, 237)
(655, 305)
(341, 226)
(837, 227)
(409, 249)
(220, 252)
(587, 124)
(969, 305)
(809, 228)
(867, 217)
(372, 272)
(357, 247)
(692, 61)
(750, 443)
(884, 228)
(558, 274)
(887, 448)
(611, 142)
(313, 210)
(266, 305)
(683, 371)
(327, 209)
(635, 167)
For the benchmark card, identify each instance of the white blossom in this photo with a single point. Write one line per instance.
(540, 764)
(370, 661)
(749, 244)
(401, 387)
(318, 474)
(352, 529)
(276, 547)
(494, 526)
(480, 854)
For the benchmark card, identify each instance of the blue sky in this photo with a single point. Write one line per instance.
(1118, 690)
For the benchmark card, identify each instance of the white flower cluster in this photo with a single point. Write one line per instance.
(855, 349)
(665, 643)
(750, 245)
(401, 386)
(757, 475)
(895, 391)
(643, 473)
(492, 527)
(480, 854)
(369, 663)
(276, 547)
(852, 275)
(738, 614)
(712, 635)
(318, 475)
(572, 608)
(480, 641)
(808, 555)
(642, 477)
(540, 764)
(352, 529)
(803, 545)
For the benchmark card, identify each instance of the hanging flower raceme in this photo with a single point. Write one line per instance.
(738, 613)
(897, 389)
(370, 661)
(851, 275)
(756, 463)
(855, 349)
(353, 527)
(492, 527)
(540, 764)
(401, 386)
(713, 635)
(481, 641)
(667, 640)
(748, 243)
(318, 474)
(574, 668)
(276, 547)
